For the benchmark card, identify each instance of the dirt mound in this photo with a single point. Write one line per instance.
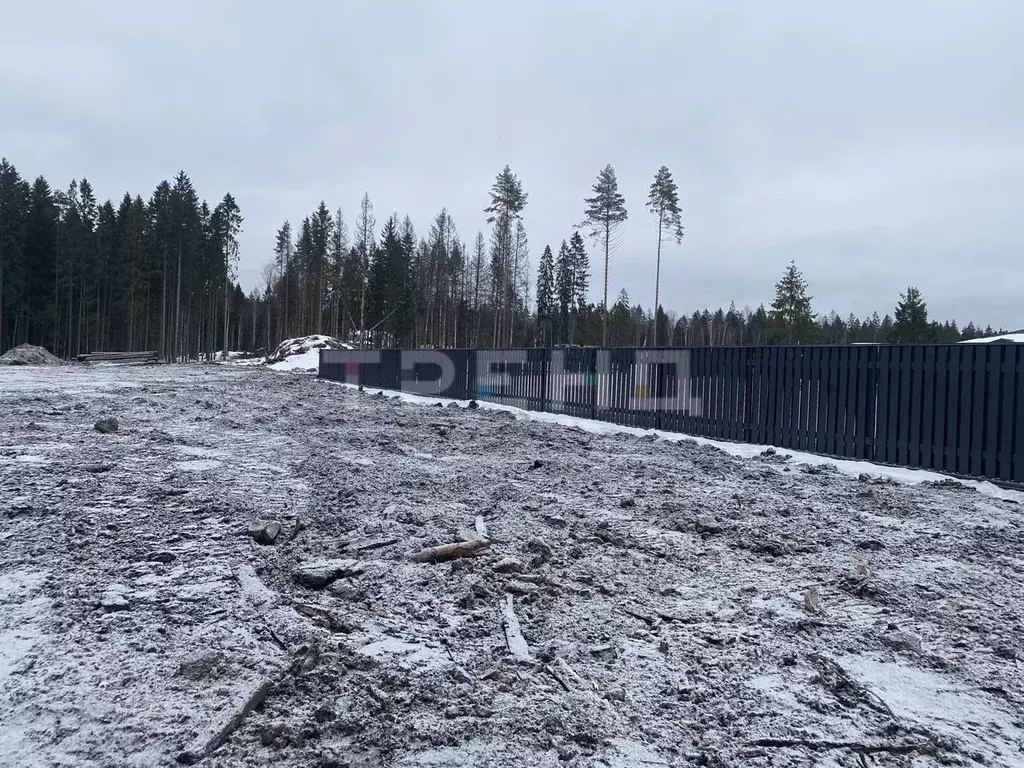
(27, 354)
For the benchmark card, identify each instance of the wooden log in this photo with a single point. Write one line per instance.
(514, 639)
(449, 551)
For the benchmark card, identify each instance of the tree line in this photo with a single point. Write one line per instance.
(161, 273)
(77, 275)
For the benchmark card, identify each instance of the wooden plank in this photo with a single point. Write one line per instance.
(916, 403)
(1011, 385)
(843, 402)
(729, 379)
(1018, 442)
(951, 445)
(757, 388)
(832, 400)
(857, 418)
(928, 442)
(786, 397)
(775, 396)
(823, 357)
(717, 355)
(882, 417)
(968, 358)
(940, 406)
(993, 400)
(978, 407)
(800, 400)
(905, 381)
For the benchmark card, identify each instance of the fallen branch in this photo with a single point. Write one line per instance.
(638, 614)
(517, 644)
(366, 546)
(449, 551)
(557, 677)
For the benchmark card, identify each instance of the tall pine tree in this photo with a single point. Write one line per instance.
(605, 212)
(663, 202)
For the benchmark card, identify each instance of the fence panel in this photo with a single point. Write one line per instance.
(953, 408)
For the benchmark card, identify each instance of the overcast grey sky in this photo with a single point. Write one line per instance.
(877, 143)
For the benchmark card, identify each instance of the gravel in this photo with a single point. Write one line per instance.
(142, 625)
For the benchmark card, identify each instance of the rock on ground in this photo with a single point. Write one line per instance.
(646, 641)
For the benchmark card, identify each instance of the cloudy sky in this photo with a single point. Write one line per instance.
(878, 144)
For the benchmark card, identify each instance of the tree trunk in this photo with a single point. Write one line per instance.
(163, 311)
(604, 305)
(657, 277)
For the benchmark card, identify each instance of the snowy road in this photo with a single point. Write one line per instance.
(678, 606)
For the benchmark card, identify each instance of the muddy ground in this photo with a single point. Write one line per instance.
(677, 606)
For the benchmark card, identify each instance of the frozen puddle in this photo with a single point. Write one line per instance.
(944, 705)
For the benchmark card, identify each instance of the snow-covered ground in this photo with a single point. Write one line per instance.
(1014, 337)
(679, 605)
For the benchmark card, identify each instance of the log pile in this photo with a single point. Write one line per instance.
(119, 357)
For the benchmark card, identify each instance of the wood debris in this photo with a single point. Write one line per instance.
(449, 551)
(514, 639)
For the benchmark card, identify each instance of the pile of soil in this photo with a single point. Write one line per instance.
(27, 354)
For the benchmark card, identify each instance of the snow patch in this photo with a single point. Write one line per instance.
(1017, 338)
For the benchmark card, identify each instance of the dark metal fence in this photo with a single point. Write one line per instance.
(956, 408)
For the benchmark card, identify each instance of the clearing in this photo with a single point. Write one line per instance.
(641, 603)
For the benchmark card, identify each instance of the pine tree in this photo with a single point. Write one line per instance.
(911, 321)
(791, 316)
(663, 202)
(605, 212)
(507, 203)
(545, 295)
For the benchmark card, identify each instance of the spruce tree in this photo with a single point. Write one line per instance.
(911, 318)
(580, 270)
(790, 315)
(545, 295)
(229, 218)
(565, 290)
(663, 202)
(605, 213)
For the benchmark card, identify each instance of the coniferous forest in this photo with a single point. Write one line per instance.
(160, 273)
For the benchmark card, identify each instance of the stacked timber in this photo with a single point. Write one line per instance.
(119, 357)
